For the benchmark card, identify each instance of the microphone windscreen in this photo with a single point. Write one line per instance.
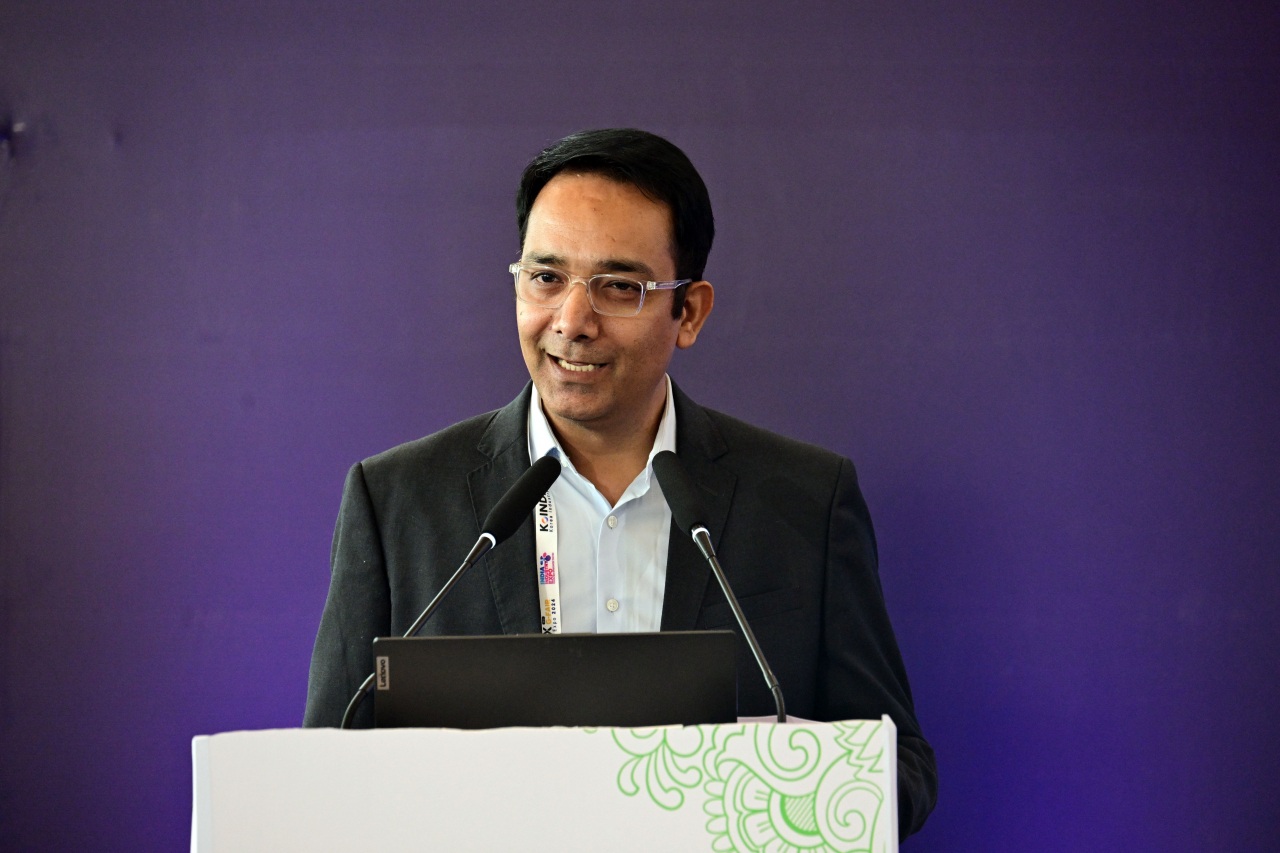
(680, 491)
(518, 503)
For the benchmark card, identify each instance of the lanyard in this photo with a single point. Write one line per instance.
(545, 540)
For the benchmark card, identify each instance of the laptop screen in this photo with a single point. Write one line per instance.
(650, 679)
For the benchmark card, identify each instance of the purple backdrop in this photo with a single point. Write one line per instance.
(1020, 263)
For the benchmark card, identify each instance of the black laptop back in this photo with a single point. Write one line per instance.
(667, 678)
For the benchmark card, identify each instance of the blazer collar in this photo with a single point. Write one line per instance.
(508, 426)
(510, 565)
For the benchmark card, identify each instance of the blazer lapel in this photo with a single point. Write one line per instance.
(698, 444)
(510, 564)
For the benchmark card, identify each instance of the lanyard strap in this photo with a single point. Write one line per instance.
(545, 541)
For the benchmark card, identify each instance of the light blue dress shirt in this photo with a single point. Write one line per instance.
(613, 559)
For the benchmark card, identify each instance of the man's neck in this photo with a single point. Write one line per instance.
(611, 455)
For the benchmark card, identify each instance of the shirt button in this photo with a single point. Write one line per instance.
(613, 522)
(612, 604)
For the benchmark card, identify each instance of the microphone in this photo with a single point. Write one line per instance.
(503, 520)
(690, 515)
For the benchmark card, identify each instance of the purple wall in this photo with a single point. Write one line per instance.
(1019, 263)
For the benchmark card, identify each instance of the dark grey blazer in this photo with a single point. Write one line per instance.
(787, 519)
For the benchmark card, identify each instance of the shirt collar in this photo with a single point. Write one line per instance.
(543, 441)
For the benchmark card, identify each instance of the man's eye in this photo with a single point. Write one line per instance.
(547, 278)
(621, 286)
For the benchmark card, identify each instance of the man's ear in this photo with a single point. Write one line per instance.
(698, 300)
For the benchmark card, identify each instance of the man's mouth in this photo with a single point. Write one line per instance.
(576, 366)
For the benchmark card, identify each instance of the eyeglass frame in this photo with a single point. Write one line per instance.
(646, 286)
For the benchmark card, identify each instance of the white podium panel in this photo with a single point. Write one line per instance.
(746, 787)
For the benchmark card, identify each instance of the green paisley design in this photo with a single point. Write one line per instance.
(663, 762)
(768, 789)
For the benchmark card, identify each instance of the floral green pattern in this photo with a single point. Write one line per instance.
(766, 788)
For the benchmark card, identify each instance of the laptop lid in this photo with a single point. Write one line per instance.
(650, 679)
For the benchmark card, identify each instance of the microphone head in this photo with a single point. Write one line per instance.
(518, 503)
(680, 491)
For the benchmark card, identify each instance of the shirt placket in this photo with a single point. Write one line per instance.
(612, 607)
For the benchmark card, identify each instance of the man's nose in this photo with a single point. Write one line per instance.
(575, 318)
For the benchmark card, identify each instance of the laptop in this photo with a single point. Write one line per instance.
(650, 679)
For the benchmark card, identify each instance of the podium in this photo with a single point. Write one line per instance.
(742, 787)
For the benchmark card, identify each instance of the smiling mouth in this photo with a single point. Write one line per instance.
(576, 366)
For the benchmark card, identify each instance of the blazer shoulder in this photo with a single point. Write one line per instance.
(750, 444)
(450, 451)
(450, 456)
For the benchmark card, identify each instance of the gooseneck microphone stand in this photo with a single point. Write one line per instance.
(688, 512)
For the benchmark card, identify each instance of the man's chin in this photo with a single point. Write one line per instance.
(577, 404)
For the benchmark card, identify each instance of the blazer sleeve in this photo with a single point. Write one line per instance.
(357, 610)
(861, 671)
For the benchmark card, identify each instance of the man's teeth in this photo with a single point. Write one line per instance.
(569, 365)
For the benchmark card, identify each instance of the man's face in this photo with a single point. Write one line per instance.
(597, 370)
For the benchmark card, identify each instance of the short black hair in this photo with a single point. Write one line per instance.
(653, 165)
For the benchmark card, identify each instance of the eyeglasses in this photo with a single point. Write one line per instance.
(614, 295)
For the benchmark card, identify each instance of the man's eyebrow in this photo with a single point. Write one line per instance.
(626, 265)
(608, 265)
(546, 259)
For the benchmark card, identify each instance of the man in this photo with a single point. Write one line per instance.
(615, 230)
